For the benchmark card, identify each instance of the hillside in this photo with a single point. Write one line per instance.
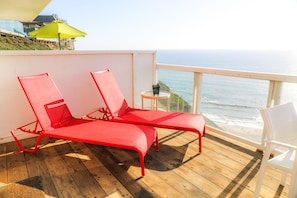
(14, 42)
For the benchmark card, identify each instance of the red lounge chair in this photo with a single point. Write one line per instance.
(117, 110)
(56, 121)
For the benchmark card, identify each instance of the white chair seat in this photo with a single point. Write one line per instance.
(284, 161)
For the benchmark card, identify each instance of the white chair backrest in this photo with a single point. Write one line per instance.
(281, 123)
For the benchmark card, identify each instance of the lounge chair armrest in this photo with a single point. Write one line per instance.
(31, 127)
(289, 146)
(99, 114)
(27, 129)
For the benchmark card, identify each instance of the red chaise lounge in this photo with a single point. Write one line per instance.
(56, 121)
(117, 109)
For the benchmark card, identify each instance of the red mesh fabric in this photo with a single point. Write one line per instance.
(128, 136)
(46, 101)
(111, 93)
(170, 120)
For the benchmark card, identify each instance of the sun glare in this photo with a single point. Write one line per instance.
(78, 156)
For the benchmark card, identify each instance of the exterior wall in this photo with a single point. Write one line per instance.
(134, 70)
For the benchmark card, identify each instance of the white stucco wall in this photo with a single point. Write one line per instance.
(70, 70)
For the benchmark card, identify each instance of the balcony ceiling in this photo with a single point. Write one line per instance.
(25, 11)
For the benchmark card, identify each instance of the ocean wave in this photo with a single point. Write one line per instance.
(251, 122)
(221, 104)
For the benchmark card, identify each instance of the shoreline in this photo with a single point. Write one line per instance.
(249, 133)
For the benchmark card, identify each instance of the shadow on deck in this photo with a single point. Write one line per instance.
(225, 168)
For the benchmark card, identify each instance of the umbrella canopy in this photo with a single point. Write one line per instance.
(57, 29)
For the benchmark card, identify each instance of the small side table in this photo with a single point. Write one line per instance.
(155, 98)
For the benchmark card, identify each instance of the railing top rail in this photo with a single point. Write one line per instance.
(233, 73)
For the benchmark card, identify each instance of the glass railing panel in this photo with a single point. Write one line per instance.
(232, 104)
(180, 86)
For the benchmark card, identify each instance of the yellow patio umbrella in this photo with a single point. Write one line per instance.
(57, 29)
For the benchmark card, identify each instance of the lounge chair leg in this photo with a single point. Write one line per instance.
(141, 161)
(21, 148)
(157, 143)
(200, 143)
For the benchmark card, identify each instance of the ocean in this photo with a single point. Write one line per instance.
(230, 103)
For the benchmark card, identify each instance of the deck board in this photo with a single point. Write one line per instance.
(36, 167)
(3, 164)
(225, 168)
(16, 166)
(104, 178)
(60, 173)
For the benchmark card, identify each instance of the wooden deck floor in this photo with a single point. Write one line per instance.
(70, 169)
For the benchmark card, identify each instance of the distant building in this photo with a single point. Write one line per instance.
(13, 27)
(46, 19)
(38, 22)
(23, 28)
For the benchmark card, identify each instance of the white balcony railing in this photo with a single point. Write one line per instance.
(265, 90)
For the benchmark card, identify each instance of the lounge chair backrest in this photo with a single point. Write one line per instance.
(110, 92)
(46, 101)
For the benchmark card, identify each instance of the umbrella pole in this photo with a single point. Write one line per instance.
(59, 41)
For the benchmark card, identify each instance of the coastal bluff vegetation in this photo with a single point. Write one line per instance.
(15, 42)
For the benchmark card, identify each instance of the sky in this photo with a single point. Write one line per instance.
(180, 24)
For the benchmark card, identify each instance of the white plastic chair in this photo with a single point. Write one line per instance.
(280, 123)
